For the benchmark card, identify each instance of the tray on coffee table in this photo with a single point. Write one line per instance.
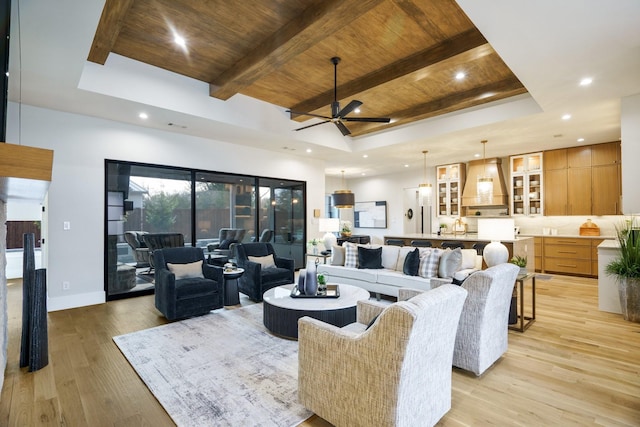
(333, 291)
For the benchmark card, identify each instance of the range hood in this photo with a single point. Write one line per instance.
(491, 168)
(25, 172)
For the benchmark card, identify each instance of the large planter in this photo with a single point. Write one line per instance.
(629, 292)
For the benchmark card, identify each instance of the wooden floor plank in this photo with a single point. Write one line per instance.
(575, 366)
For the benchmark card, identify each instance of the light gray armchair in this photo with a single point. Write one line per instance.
(397, 372)
(483, 334)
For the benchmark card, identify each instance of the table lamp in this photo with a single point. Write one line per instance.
(495, 230)
(329, 226)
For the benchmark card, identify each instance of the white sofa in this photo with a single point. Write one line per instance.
(388, 279)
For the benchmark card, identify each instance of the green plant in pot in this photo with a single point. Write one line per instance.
(626, 269)
(520, 261)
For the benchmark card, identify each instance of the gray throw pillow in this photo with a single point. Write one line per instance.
(450, 262)
(337, 255)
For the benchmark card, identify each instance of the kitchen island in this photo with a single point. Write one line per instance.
(523, 246)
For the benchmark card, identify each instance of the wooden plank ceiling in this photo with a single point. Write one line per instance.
(399, 57)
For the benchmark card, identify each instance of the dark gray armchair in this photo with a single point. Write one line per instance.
(257, 279)
(178, 298)
(226, 238)
(155, 241)
(138, 247)
(265, 236)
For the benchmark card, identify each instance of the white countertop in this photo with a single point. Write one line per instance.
(471, 237)
(571, 236)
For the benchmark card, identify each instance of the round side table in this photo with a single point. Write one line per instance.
(231, 296)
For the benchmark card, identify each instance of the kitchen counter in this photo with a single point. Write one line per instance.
(468, 237)
(608, 299)
(569, 236)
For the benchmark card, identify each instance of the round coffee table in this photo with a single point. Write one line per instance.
(281, 312)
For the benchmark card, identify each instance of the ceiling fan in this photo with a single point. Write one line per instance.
(338, 116)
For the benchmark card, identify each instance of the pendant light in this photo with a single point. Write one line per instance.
(484, 189)
(425, 187)
(343, 199)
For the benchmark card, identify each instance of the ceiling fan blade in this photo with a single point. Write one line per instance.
(342, 128)
(315, 124)
(298, 113)
(349, 108)
(367, 119)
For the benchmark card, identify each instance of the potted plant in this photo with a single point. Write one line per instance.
(520, 261)
(345, 228)
(626, 269)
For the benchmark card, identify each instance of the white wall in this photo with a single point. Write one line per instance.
(81, 144)
(630, 126)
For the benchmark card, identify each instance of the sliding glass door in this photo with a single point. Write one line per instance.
(189, 207)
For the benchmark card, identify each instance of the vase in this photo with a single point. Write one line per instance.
(311, 280)
(314, 249)
(629, 293)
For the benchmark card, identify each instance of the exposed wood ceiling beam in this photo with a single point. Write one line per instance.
(317, 22)
(454, 102)
(465, 42)
(111, 21)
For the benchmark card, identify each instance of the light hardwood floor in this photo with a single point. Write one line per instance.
(574, 366)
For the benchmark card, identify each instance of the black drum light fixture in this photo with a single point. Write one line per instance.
(343, 199)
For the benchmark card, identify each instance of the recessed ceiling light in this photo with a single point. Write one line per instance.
(357, 111)
(363, 174)
(566, 117)
(406, 166)
(365, 155)
(586, 81)
(580, 139)
(460, 75)
(308, 150)
(143, 116)
(179, 40)
(476, 155)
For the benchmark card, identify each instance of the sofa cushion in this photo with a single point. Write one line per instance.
(429, 260)
(337, 255)
(450, 262)
(468, 258)
(350, 255)
(402, 254)
(369, 258)
(399, 280)
(184, 271)
(266, 261)
(412, 263)
(336, 272)
(390, 256)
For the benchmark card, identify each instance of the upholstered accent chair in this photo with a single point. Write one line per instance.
(483, 334)
(155, 241)
(263, 271)
(186, 285)
(226, 238)
(265, 236)
(138, 247)
(395, 373)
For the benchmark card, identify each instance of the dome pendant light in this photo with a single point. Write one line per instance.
(484, 189)
(343, 199)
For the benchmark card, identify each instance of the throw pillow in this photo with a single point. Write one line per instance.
(226, 243)
(390, 256)
(468, 258)
(402, 254)
(185, 271)
(350, 255)
(369, 258)
(337, 255)
(412, 263)
(449, 263)
(429, 260)
(265, 261)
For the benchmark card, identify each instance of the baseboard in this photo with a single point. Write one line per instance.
(74, 301)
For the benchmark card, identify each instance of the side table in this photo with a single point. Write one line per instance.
(523, 321)
(230, 293)
(318, 256)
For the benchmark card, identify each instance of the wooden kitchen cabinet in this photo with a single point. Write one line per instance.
(527, 193)
(579, 191)
(567, 255)
(537, 243)
(583, 180)
(450, 181)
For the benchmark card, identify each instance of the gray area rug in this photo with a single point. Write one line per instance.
(221, 369)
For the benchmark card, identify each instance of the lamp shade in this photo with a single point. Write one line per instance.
(343, 199)
(331, 225)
